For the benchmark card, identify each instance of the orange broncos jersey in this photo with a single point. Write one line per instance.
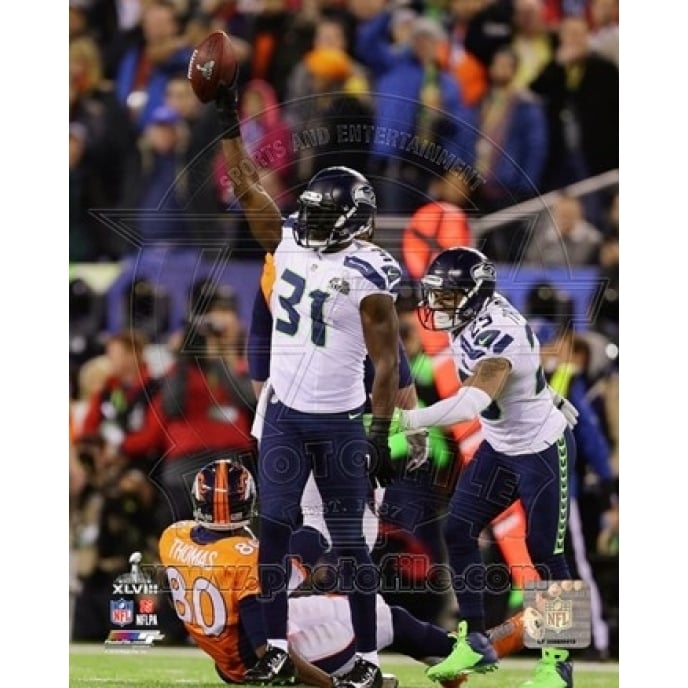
(207, 582)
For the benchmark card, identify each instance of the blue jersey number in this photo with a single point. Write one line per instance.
(289, 303)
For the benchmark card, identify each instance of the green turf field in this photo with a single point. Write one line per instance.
(90, 665)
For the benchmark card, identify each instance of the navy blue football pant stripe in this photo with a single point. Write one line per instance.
(490, 483)
(334, 446)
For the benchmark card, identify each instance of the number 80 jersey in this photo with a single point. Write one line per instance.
(207, 581)
(318, 348)
(523, 419)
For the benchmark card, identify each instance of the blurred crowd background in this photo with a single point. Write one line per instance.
(479, 122)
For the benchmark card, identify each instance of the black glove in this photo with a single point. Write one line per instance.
(380, 467)
(227, 107)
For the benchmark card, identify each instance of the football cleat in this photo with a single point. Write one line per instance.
(274, 668)
(472, 652)
(552, 671)
(362, 675)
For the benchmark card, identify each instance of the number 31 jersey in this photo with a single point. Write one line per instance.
(523, 419)
(318, 349)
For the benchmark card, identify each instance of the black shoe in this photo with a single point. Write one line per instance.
(274, 668)
(362, 675)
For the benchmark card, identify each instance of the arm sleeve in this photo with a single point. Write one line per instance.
(466, 404)
(251, 619)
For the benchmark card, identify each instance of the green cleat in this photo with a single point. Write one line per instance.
(472, 652)
(552, 671)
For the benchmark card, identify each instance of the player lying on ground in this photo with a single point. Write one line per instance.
(212, 568)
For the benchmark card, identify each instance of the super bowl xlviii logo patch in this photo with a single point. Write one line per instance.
(136, 582)
(206, 69)
(134, 597)
(339, 284)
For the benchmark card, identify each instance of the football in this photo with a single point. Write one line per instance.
(212, 63)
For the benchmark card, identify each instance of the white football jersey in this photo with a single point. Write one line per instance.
(320, 627)
(318, 349)
(522, 419)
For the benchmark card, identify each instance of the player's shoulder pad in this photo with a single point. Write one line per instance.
(497, 330)
(374, 264)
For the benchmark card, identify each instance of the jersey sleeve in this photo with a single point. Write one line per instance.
(373, 271)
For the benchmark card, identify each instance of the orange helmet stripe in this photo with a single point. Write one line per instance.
(221, 489)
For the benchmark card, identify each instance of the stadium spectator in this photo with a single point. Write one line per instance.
(604, 29)
(302, 89)
(417, 101)
(120, 405)
(531, 42)
(113, 518)
(100, 141)
(512, 144)
(340, 116)
(489, 29)
(281, 37)
(155, 187)
(607, 321)
(581, 95)
(197, 154)
(469, 72)
(145, 69)
(78, 18)
(204, 408)
(564, 237)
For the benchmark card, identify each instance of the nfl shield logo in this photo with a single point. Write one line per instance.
(121, 612)
(559, 615)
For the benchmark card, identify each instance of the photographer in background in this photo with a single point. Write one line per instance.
(112, 518)
(205, 406)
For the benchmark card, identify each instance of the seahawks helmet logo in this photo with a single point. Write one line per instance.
(484, 271)
(206, 69)
(364, 193)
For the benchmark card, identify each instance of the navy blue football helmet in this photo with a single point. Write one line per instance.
(223, 496)
(456, 286)
(337, 206)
